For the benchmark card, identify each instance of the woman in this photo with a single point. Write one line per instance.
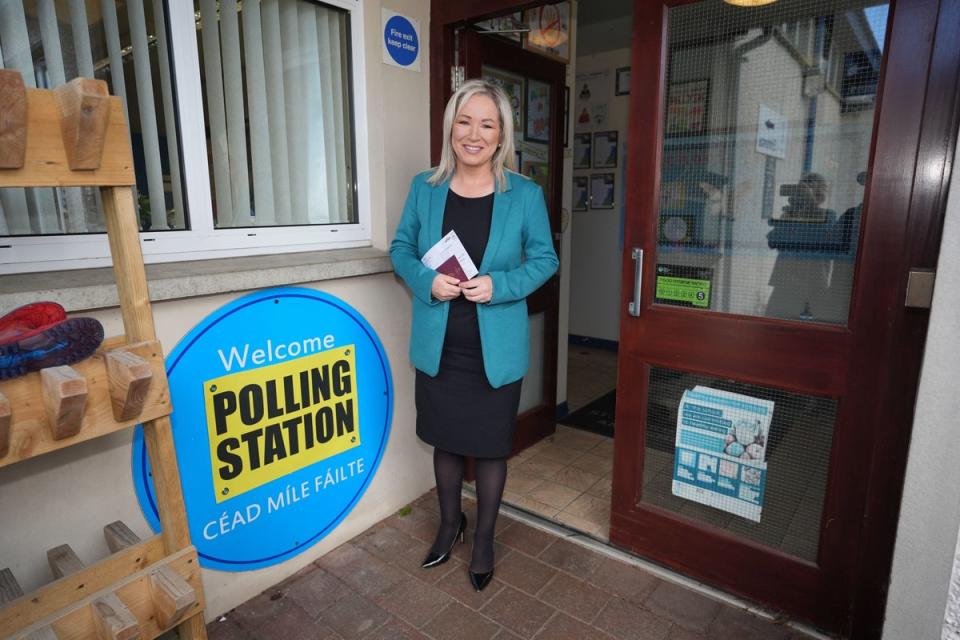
(470, 341)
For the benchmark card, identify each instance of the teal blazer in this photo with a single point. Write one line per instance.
(519, 258)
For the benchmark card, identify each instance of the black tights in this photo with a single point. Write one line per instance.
(491, 476)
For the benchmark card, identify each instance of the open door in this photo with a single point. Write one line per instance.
(771, 220)
(536, 86)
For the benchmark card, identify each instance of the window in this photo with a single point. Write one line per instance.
(246, 122)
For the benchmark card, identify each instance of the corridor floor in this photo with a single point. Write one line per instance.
(546, 587)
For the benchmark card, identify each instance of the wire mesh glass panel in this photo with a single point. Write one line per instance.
(748, 459)
(768, 120)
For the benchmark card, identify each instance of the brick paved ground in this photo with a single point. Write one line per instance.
(545, 587)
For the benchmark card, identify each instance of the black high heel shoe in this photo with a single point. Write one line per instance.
(480, 580)
(436, 559)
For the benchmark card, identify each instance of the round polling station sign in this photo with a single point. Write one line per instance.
(282, 405)
(400, 40)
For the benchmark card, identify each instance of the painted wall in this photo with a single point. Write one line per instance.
(921, 586)
(596, 246)
(89, 485)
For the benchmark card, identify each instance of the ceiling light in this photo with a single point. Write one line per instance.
(749, 3)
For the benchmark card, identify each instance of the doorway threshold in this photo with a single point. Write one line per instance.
(595, 544)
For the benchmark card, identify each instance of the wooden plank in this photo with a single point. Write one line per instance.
(10, 590)
(45, 164)
(13, 120)
(29, 436)
(43, 633)
(166, 483)
(84, 106)
(73, 621)
(9, 587)
(63, 561)
(129, 376)
(111, 618)
(5, 416)
(123, 230)
(172, 595)
(46, 601)
(64, 392)
(119, 536)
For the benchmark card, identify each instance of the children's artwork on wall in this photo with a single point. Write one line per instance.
(687, 104)
(581, 193)
(582, 150)
(602, 193)
(604, 149)
(591, 91)
(538, 172)
(538, 112)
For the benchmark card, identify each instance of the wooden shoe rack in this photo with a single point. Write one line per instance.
(76, 135)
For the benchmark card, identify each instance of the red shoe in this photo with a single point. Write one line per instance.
(54, 345)
(29, 319)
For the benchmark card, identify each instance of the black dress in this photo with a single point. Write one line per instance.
(458, 411)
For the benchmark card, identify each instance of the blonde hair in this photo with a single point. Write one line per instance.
(503, 157)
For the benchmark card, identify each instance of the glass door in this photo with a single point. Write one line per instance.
(759, 185)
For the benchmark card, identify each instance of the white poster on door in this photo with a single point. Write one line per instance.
(721, 450)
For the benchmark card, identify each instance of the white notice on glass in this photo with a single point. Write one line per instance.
(449, 257)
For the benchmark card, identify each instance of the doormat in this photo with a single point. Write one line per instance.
(596, 417)
(599, 415)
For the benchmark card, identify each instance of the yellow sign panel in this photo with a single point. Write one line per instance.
(269, 422)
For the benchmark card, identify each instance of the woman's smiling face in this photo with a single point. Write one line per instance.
(476, 131)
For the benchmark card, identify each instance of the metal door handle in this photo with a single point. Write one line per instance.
(634, 307)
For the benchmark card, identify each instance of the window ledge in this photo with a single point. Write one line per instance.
(95, 288)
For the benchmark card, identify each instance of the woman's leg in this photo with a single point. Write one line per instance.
(491, 476)
(448, 469)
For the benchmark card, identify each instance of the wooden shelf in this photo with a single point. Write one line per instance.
(76, 135)
(64, 605)
(29, 430)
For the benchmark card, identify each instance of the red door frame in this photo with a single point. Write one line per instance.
(934, 101)
(538, 422)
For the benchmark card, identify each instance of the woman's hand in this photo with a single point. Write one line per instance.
(479, 289)
(445, 287)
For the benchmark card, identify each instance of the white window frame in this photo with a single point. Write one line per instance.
(24, 254)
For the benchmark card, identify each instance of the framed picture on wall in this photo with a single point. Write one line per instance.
(513, 86)
(623, 82)
(549, 33)
(581, 193)
(537, 127)
(605, 150)
(687, 104)
(602, 192)
(582, 150)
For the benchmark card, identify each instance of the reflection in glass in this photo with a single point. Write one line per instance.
(768, 117)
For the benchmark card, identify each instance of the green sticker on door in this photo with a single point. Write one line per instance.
(684, 286)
